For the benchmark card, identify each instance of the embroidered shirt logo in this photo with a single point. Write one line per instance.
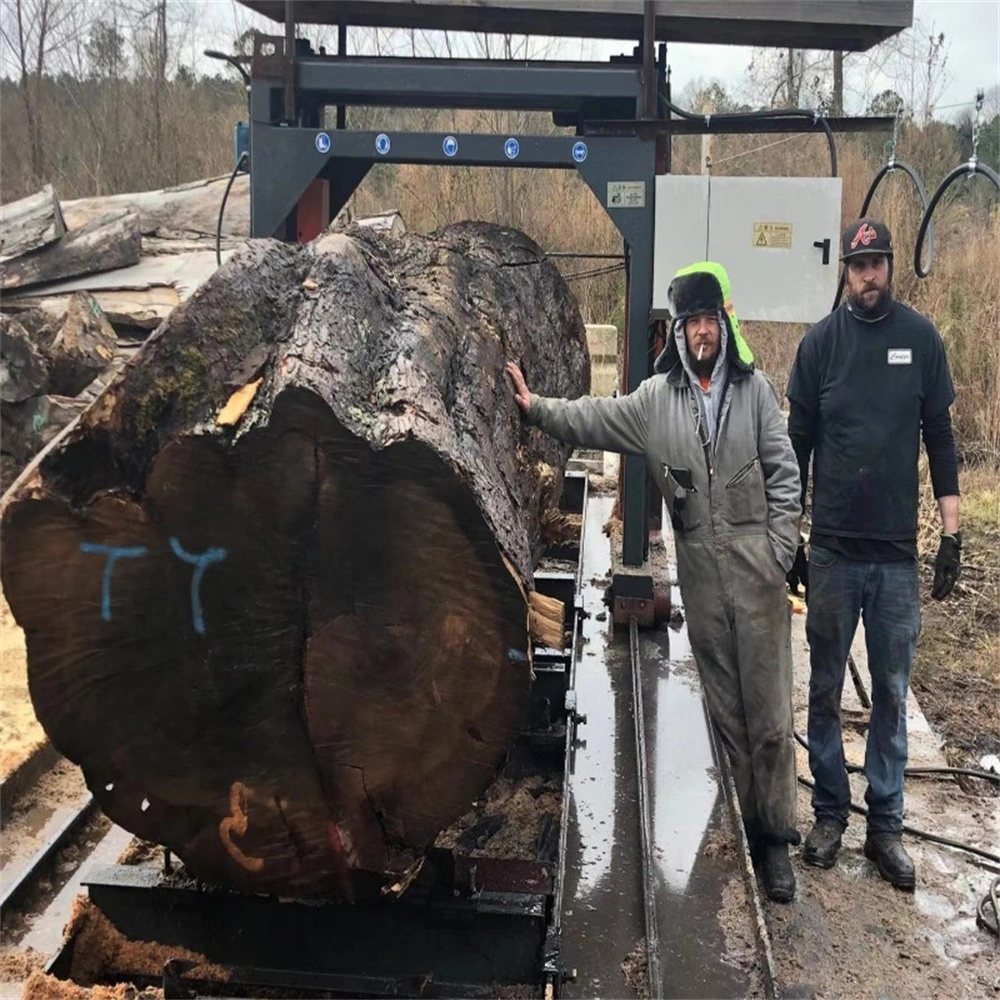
(900, 356)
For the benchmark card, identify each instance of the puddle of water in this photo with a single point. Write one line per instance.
(602, 909)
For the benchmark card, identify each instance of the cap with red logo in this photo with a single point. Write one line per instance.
(866, 236)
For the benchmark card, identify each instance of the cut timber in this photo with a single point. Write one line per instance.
(295, 647)
(106, 243)
(83, 347)
(24, 369)
(189, 208)
(30, 223)
(134, 308)
(29, 426)
(76, 345)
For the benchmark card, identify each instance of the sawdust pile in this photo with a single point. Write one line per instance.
(634, 969)
(42, 987)
(719, 842)
(603, 485)
(139, 852)
(21, 730)
(560, 528)
(735, 916)
(508, 821)
(16, 966)
(100, 950)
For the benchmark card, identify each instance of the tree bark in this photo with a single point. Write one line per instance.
(30, 223)
(106, 243)
(74, 347)
(276, 581)
(24, 368)
(838, 83)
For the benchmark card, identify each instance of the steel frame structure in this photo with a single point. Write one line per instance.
(621, 141)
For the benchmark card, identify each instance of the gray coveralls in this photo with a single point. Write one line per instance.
(736, 531)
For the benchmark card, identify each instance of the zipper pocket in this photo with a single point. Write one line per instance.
(743, 473)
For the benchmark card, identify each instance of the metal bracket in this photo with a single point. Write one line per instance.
(632, 597)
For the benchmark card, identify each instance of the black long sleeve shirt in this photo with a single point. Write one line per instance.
(862, 395)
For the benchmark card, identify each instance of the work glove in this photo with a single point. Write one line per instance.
(799, 573)
(948, 565)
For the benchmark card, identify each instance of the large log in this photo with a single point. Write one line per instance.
(108, 242)
(276, 581)
(30, 223)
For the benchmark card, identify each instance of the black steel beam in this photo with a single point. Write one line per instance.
(467, 83)
(716, 125)
(492, 938)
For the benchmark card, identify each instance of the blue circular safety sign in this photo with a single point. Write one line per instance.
(450, 145)
(322, 142)
(579, 151)
(511, 148)
(382, 144)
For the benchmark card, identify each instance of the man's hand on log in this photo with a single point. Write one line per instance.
(521, 393)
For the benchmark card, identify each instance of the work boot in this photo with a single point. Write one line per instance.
(891, 859)
(823, 843)
(777, 874)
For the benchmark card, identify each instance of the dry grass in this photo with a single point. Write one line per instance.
(957, 671)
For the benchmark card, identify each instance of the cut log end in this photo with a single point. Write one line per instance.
(337, 620)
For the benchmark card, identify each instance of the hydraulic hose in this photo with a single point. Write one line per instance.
(962, 170)
(765, 116)
(887, 169)
(923, 772)
(924, 835)
(222, 208)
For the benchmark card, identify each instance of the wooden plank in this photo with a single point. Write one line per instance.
(108, 242)
(30, 223)
(189, 208)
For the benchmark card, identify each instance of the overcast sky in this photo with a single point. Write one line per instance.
(971, 28)
(972, 33)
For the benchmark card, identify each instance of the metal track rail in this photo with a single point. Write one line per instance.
(57, 834)
(645, 820)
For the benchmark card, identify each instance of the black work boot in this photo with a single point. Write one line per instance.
(776, 873)
(891, 859)
(823, 843)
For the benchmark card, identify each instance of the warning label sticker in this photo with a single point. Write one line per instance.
(626, 194)
(773, 235)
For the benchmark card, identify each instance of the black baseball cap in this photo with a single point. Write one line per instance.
(866, 236)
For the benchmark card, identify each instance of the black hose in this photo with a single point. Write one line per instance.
(766, 116)
(919, 772)
(222, 208)
(923, 834)
(982, 914)
(887, 169)
(962, 170)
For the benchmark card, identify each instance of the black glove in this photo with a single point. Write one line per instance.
(799, 573)
(947, 566)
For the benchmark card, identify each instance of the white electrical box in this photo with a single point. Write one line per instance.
(778, 237)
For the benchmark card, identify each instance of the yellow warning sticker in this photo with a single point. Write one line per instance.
(774, 235)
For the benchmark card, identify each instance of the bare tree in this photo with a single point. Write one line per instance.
(32, 32)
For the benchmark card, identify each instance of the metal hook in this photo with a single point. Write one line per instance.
(977, 124)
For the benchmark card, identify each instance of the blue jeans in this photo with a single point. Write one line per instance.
(887, 595)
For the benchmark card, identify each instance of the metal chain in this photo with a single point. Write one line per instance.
(977, 124)
(897, 119)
